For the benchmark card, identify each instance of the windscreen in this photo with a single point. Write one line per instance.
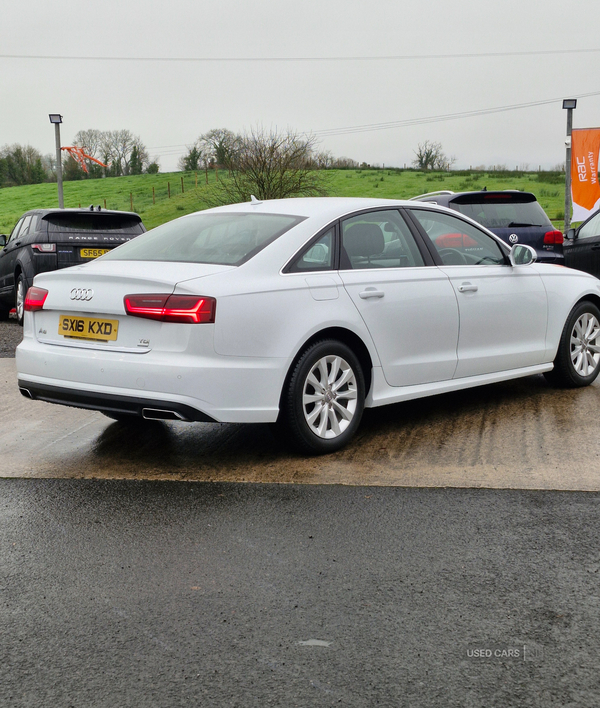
(504, 211)
(222, 239)
(106, 223)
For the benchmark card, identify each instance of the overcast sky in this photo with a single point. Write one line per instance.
(403, 78)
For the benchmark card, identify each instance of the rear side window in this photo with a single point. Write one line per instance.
(498, 212)
(25, 228)
(219, 238)
(318, 256)
(34, 224)
(105, 223)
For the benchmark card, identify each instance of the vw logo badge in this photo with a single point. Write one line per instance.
(82, 294)
(513, 238)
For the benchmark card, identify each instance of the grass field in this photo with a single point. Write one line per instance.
(385, 183)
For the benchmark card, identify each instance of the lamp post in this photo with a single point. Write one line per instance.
(56, 118)
(569, 104)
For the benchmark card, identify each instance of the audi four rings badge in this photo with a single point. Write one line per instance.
(82, 294)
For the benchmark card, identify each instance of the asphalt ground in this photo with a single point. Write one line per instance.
(156, 594)
(10, 336)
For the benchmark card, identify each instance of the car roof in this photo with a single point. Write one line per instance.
(48, 212)
(321, 207)
(446, 197)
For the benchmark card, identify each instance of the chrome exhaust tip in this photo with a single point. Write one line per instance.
(158, 414)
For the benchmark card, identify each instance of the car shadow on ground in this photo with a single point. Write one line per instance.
(506, 423)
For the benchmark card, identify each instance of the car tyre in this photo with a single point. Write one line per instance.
(20, 293)
(324, 398)
(4, 314)
(577, 361)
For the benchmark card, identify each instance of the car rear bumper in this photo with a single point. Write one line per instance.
(550, 257)
(111, 403)
(186, 387)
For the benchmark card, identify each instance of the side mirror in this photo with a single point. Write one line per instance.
(2, 240)
(570, 234)
(521, 254)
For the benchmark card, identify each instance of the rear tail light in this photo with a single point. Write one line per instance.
(35, 298)
(555, 237)
(44, 247)
(191, 309)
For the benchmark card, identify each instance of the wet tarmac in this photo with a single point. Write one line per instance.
(521, 434)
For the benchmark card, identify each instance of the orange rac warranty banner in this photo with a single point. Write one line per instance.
(585, 190)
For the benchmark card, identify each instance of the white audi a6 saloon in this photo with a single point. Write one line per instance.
(301, 312)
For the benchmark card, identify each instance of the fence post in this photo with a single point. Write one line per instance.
(153, 196)
(131, 200)
(182, 189)
(169, 189)
(105, 203)
(217, 173)
(196, 180)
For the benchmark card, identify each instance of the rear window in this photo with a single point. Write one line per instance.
(502, 211)
(106, 223)
(222, 239)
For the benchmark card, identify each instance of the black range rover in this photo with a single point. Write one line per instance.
(48, 239)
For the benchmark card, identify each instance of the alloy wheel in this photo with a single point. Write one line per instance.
(329, 397)
(585, 350)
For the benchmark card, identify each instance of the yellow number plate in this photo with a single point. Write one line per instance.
(93, 252)
(88, 328)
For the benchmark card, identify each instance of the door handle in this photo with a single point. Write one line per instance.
(467, 288)
(370, 292)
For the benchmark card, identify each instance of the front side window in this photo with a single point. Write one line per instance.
(218, 238)
(591, 228)
(378, 239)
(457, 242)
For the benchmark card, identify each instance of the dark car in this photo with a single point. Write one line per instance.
(48, 239)
(582, 246)
(516, 217)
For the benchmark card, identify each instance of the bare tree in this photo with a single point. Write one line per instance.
(117, 147)
(344, 163)
(324, 160)
(271, 165)
(218, 147)
(431, 156)
(91, 141)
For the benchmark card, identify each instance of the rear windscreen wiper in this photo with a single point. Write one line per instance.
(516, 223)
